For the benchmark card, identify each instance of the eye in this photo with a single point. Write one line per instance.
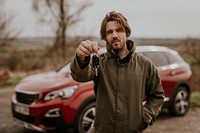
(109, 32)
(120, 30)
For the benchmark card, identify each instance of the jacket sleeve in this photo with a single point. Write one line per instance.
(81, 72)
(154, 95)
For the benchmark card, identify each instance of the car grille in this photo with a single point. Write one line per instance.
(29, 119)
(26, 98)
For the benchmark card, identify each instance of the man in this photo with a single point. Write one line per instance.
(124, 77)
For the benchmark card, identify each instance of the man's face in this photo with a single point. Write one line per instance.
(115, 36)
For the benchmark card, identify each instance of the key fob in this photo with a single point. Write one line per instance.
(95, 63)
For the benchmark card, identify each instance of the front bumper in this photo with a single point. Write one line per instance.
(43, 117)
(46, 123)
(28, 125)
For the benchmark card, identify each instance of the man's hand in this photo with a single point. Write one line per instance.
(86, 48)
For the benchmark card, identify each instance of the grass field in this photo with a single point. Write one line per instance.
(25, 57)
(29, 55)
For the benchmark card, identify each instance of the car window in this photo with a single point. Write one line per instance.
(158, 58)
(173, 58)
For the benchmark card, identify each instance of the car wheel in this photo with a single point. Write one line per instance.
(85, 121)
(179, 103)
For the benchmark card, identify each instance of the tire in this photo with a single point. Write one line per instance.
(179, 103)
(85, 120)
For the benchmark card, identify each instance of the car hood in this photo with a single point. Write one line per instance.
(43, 81)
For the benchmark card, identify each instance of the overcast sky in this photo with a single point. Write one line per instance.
(148, 18)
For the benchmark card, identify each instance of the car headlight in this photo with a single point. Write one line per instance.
(62, 93)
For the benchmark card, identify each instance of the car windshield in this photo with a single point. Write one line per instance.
(65, 69)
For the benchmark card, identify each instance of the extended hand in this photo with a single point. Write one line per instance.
(86, 48)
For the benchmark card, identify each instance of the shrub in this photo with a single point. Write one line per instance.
(195, 99)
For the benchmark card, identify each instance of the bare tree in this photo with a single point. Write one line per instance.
(6, 33)
(59, 14)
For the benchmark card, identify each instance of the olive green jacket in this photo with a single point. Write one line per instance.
(121, 88)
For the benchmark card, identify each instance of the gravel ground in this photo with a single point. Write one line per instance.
(164, 124)
(169, 124)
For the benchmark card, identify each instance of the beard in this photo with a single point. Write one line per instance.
(117, 46)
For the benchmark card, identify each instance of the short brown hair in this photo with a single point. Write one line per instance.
(119, 19)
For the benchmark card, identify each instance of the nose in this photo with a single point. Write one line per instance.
(114, 34)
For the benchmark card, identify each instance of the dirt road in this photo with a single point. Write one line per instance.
(164, 124)
(190, 123)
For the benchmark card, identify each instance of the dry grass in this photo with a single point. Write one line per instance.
(30, 58)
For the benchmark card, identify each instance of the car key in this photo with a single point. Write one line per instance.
(95, 61)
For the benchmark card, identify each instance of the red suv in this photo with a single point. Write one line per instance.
(54, 101)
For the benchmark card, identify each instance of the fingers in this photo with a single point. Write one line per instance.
(86, 48)
(83, 50)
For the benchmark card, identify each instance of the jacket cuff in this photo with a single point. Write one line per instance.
(83, 64)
